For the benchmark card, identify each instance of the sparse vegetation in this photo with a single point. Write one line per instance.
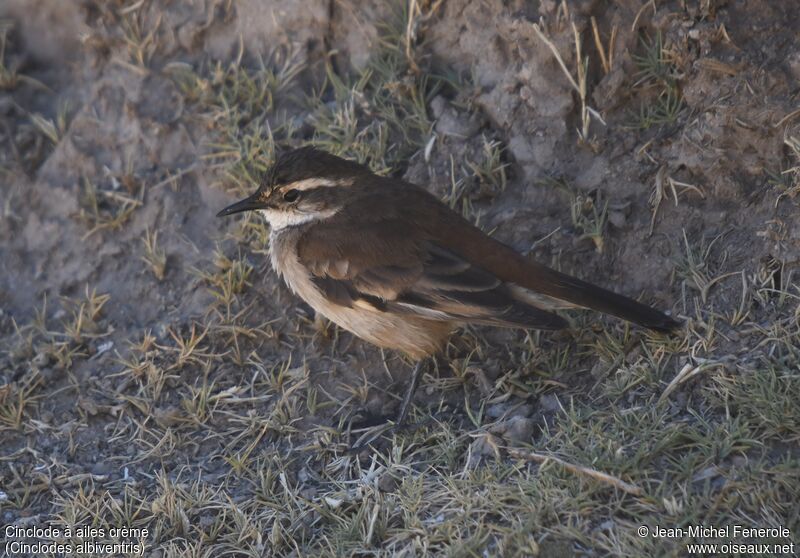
(657, 77)
(169, 382)
(102, 209)
(788, 181)
(490, 171)
(579, 83)
(154, 256)
(590, 219)
(10, 78)
(588, 213)
(379, 117)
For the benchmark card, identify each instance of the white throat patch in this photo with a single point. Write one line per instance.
(281, 219)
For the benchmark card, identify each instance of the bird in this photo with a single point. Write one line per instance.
(389, 262)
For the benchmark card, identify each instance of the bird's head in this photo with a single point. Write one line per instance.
(303, 185)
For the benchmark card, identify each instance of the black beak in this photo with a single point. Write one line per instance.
(247, 204)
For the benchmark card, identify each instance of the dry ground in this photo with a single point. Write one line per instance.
(155, 374)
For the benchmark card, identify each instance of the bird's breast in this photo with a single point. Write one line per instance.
(415, 336)
(285, 262)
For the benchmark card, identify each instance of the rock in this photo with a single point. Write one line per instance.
(549, 402)
(387, 482)
(517, 430)
(41, 359)
(450, 122)
(793, 63)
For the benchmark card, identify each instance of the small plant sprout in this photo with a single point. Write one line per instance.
(154, 256)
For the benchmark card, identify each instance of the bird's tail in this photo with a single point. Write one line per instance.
(580, 293)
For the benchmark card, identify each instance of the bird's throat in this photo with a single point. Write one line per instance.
(279, 220)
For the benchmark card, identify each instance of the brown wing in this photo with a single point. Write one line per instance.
(515, 269)
(403, 247)
(456, 234)
(387, 270)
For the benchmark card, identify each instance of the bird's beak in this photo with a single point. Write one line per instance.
(247, 204)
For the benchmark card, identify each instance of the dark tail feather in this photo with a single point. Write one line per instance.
(573, 290)
(512, 267)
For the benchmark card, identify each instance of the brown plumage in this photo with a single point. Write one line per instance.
(389, 262)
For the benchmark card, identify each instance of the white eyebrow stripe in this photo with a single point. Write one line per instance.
(311, 183)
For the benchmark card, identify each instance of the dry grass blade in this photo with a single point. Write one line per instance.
(558, 58)
(787, 118)
(689, 371)
(605, 478)
(154, 256)
(607, 61)
(714, 65)
(649, 4)
(580, 86)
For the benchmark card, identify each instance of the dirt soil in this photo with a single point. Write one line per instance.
(154, 372)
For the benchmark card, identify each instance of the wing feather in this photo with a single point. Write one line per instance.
(418, 256)
(424, 279)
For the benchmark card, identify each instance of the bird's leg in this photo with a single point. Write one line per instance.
(367, 438)
(419, 370)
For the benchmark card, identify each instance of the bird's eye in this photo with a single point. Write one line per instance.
(291, 195)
